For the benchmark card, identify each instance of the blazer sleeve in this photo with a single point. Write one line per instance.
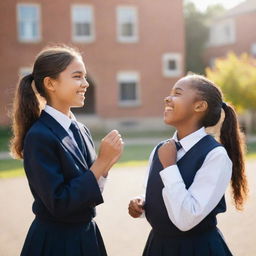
(43, 166)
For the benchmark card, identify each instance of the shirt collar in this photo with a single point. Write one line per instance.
(190, 140)
(61, 118)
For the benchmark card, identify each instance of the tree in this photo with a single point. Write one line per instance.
(236, 76)
(197, 30)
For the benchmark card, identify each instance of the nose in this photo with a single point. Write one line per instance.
(85, 83)
(167, 99)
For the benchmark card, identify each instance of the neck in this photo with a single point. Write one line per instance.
(182, 132)
(62, 109)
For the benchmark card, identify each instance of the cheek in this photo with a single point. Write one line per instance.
(183, 107)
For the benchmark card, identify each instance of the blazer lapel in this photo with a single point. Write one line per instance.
(63, 136)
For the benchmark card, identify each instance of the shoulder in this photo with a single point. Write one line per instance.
(219, 155)
(39, 133)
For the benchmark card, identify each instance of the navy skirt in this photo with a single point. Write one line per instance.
(210, 243)
(46, 238)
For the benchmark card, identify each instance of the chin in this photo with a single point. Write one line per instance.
(167, 121)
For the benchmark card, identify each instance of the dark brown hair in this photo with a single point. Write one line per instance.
(50, 62)
(231, 136)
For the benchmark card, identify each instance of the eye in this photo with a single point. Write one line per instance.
(77, 76)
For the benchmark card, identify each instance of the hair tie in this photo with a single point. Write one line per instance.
(223, 105)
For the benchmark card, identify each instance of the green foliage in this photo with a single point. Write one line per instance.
(197, 30)
(5, 135)
(236, 76)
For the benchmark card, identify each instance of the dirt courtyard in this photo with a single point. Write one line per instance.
(123, 235)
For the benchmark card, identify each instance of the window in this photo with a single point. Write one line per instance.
(253, 49)
(128, 88)
(127, 24)
(222, 33)
(212, 62)
(83, 23)
(28, 22)
(172, 65)
(24, 71)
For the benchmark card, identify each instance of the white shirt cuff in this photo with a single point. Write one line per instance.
(171, 175)
(101, 182)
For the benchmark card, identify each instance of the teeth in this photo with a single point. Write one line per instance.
(169, 108)
(81, 93)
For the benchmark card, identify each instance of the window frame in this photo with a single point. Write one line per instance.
(165, 63)
(39, 25)
(127, 39)
(129, 76)
(83, 39)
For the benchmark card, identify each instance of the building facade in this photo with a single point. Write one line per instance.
(234, 31)
(133, 52)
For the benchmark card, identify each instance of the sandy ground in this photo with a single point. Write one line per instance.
(123, 235)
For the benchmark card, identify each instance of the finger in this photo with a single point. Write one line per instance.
(116, 139)
(137, 207)
(111, 135)
(134, 212)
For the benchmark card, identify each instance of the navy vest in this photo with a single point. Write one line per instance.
(188, 165)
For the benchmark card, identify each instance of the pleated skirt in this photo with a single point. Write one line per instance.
(210, 243)
(46, 238)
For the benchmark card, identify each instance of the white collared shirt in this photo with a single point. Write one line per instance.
(186, 208)
(65, 122)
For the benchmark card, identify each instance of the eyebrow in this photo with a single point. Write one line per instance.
(177, 88)
(78, 71)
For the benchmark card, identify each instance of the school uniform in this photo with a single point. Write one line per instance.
(65, 191)
(182, 200)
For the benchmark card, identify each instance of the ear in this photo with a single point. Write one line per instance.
(201, 106)
(49, 84)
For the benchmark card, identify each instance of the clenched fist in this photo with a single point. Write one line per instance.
(167, 153)
(136, 207)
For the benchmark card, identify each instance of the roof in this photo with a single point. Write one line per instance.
(244, 7)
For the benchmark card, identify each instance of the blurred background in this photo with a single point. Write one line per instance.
(134, 52)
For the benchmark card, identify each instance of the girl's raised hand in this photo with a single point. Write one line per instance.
(111, 147)
(136, 207)
(167, 153)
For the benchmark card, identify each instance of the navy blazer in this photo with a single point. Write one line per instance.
(63, 187)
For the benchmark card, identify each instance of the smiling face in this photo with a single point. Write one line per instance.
(183, 106)
(69, 89)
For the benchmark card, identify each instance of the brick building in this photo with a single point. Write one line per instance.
(133, 52)
(233, 31)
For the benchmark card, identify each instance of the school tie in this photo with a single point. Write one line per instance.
(178, 145)
(78, 138)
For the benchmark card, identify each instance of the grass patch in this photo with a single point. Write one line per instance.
(5, 135)
(134, 155)
(98, 135)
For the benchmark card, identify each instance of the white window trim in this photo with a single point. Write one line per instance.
(83, 39)
(215, 39)
(253, 49)
(25, 70)
(39, 38)
(166, 58)
(124, 76)
(124, 39)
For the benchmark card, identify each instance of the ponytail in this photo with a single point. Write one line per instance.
(230, 135)
(233, 140)
(25, 112)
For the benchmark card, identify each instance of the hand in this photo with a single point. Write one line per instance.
(136, 207)
(110, 150)
(111, 147)
(167, 153)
